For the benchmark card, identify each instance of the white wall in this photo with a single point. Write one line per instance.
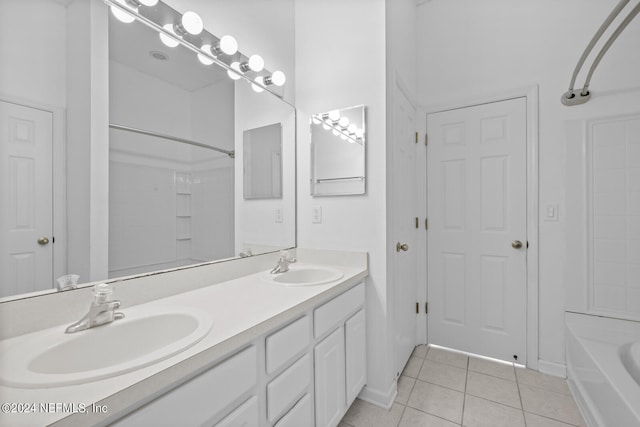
(340, 62)
(468, 49)
(37, 74)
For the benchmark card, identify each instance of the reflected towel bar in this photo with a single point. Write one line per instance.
(340, 179)
(172, 138)
(571, 97)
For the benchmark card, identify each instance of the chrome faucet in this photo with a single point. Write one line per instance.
(102, 310)
(283, 263)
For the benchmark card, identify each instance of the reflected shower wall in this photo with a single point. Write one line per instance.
(170, 204)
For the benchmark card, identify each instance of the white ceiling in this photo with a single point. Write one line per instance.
(131, 44)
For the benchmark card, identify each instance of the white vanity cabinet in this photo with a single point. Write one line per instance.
(302, 373)
(340, 362)
(201, 400)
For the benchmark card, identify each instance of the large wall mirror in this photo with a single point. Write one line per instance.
(122, 155)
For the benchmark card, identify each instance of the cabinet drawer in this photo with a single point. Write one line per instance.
(327, 316)
(245, 416)
(283, 391)
(203, 398)
(300, 415)
(288, 342)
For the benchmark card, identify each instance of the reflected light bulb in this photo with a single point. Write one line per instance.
(149, 3)
(192, 23)
(343, 137)
(165, 39)
(343, 122)
(335, 132)
(121, 15)
(203, 58)
(352, 128)
(325, 126)
(334, 115)
(359, 133)
(257, 88)
(235, 66)
(228, 45)
(256, 63)
(316, 121)
(278, 78)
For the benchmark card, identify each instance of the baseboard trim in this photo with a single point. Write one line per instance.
(552, 368)
(383, 399)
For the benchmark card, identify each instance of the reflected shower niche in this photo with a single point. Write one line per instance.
(338, 152)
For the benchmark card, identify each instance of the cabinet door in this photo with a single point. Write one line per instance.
(330, 379)
(356, 365)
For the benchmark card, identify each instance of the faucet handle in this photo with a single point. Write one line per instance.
(103, 293)
(284, 256)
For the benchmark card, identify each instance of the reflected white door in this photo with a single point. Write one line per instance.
(26, 219)
(405, 209)
(477, 215)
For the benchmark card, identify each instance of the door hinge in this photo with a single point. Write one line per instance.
(417, 308)
(426, 308)
(426, 138)
(417, 222)
(416, 137)
(426, 223)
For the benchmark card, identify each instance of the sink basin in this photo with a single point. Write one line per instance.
(145, 336)
(300, 275)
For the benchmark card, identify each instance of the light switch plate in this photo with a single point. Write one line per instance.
(316, 214)
(551, 212)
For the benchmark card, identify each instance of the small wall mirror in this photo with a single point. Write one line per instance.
(338, 152)
(262, 148)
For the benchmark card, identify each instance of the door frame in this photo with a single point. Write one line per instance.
(59, 165)
(530, 93)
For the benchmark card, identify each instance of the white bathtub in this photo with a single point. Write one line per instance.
(603, 366)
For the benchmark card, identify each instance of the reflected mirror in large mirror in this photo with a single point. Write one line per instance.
(262, 149)
(338, 152)
(122, 154)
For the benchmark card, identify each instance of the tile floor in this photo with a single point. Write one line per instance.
(441, 388)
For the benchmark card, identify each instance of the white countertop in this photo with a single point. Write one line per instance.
(242, 309)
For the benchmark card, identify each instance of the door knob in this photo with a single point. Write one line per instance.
(402, 247)
(43, 241)
(516, 244)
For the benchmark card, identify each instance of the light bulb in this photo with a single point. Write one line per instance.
(335, 132)
(203, 58)
(149, 3)
(334, 115)
(343, 137)
(168, 41)
(278, 78)
(228, 45)
(352, 128)
(359, 133)
(121, 15)
(316, 120)
(325, 126)
(235, 66)
(257, 88)
(344, 122)
(192, 23)
(256, 63)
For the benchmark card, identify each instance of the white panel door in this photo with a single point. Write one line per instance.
(477, 210)
(26, 215)
(330, 379)
(405, 209)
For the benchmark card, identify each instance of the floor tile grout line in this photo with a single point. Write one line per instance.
(524, 417)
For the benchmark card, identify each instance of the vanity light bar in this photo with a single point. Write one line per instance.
(339, 126)
(189, 31)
